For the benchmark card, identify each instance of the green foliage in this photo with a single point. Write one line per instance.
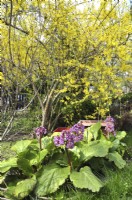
(118, 186)
(39, 157)
(79, 110)
(116, 157)
(24, 165)
(7, 164)
(125, 121)
(95, 149)
(94, 130)
(86, 179)
(5, 150)
(27, 156)
(51, 177)
(117, 144)
(22, 188)
(44, 171)
(120, 135)
(47, 142)
(20, 146)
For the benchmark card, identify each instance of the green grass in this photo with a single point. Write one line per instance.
(128, 141)
(24, 122)
(5, 150)
(128, 138)
(118, 184)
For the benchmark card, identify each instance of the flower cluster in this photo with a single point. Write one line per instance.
(70, 137)
(109, 119)
(77, 130)
(40, 131)
(110, 128)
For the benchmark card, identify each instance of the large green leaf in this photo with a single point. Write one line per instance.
(21, 146)
(21, 189)
(88, 135)
(86, 179)
(28, 154)
(93, 130)
(117, 159)
(120, 135)
(115, 144)
(95, 149)
(101, 135)
(47, 143)
(25, 166)
(39, 157)
(75, 156)
(60, 159)
(75, 151)
(9, 193)
(50, 178)
(34, 157)
(35, 144)
(7, 164)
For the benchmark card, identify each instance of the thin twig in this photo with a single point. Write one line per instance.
(25, 32)
(2, 198)
(9, 124)
(46, 198)
(3, 189)
(27, 104)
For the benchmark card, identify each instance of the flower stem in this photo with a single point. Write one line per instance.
(87, 135)
(40, 143)
(68, 158)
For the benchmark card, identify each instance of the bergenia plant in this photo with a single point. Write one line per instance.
(40, 132)
(110, 126)
(68, 138)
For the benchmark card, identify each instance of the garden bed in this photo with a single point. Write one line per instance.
(86, 169)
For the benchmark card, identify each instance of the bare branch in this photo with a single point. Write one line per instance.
(2, 198)
(109, 13)
(25, 32)
(37, 94)
(9, 126)
(10, 51)
(16, 27)
(27, 104)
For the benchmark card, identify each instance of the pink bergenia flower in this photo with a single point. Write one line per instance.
(40, 131)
